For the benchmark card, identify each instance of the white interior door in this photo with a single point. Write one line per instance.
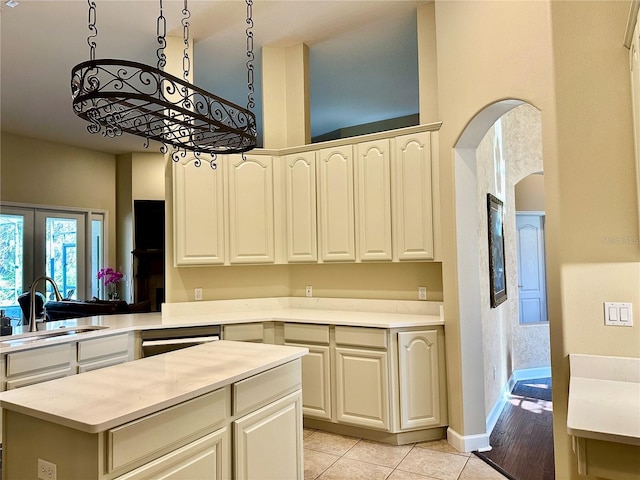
(531, 268)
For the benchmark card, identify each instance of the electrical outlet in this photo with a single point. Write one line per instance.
(309, 291)
(46, 470)
(198, 294)
(422, 293)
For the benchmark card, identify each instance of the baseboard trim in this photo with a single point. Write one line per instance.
(516, 376)
(468, 443)
(530, 374)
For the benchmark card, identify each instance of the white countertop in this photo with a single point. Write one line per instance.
(604, 398)
(98, 400)
(348, 312)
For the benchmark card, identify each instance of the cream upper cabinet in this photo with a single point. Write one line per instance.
(412, 195)
(419, 379)
(251, 209)
(300, 198)
(198, 213)
(373, 200)
(336, 204)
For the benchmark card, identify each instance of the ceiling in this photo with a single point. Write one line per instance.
(363, 57)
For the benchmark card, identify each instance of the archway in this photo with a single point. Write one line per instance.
(486, 357)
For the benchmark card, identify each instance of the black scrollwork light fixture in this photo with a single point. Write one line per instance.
(117, 96)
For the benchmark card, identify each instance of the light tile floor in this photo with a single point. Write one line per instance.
(328, 456)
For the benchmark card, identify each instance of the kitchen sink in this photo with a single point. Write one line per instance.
(32, 337)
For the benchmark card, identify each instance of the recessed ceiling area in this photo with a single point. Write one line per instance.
(362, 55)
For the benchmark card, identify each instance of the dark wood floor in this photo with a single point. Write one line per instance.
(522, 440)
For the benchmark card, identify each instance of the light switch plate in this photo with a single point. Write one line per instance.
(619, 314)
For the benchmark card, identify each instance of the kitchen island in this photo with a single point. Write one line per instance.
(168, 413)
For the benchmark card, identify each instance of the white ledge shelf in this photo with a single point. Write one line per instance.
(604, 398)
(603, 415)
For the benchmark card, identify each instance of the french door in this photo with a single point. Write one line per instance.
(63, 245)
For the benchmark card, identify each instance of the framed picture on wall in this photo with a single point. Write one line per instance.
(497, 275)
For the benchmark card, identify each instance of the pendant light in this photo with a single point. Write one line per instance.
(117, 96)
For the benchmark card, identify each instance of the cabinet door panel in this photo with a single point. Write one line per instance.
(316, 381)
(300, 183)
(362, 388)
(419, 379)
(374, 200)
(198, 214)
(413, 210)
(268, 442)
(336, 204)
(251, 220)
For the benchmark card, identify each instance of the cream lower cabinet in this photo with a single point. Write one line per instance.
(250, 429)
(202, 459)
(39, 365)
(362, 387)
(267, 442)
(105, 351)
(316, 367)
(419, 379)
(388, 382)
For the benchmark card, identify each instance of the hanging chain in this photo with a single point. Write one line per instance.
(186, 61)
(93, 29)
(250, 56)
(161, 32)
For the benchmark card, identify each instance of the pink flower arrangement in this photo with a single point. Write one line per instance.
(109, 276)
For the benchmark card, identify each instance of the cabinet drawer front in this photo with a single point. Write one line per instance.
(39, 378)
(47, 358)
(300, 332)
(361, 336)
(200, 459)
(103, 363)
(166, 430)
(244, 332)
(256, 391)
(100, 347)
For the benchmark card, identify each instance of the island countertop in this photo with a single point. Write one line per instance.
(98, 400)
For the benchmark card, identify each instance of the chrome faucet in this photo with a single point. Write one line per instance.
(32, 302)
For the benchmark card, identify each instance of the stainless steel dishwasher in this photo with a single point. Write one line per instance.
(162, 340)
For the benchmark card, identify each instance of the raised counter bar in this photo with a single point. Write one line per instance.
(328, 311)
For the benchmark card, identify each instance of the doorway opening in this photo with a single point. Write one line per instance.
(515, 333)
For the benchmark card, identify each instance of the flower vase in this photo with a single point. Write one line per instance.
(113, 294)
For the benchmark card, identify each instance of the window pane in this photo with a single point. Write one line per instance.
(96, 255)
(11, 262)
(61, 256)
